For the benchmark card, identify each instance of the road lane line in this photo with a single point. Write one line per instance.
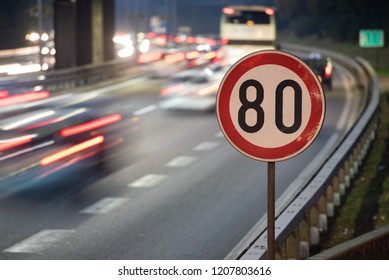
(119, 85)
(148, 181)
(219, 135)
(181, 161)
(40, 241)
(145, 110)
(105, 205)
(206, 146)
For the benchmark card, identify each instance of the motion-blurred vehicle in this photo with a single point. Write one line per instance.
(322, 66)
(56, 136)
(249, 24)
(193, 89)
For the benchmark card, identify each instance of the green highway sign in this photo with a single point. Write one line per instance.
(371, 38)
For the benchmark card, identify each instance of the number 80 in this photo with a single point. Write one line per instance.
(279, 106)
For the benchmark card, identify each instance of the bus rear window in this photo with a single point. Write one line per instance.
(242, 17)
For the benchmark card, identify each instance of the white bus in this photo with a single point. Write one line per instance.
(248, 24)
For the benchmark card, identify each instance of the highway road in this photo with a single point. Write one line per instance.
(177, 190)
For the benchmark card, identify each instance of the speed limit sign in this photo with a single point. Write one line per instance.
(270, 105)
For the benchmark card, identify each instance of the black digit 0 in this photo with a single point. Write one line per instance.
(255, 105)
(297, 106)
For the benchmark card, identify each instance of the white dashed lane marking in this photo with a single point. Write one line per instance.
(145, 110)
(39, 241)
(147, 181)
(206, 146)
(219, 135)
(181, 161)
(105, 205)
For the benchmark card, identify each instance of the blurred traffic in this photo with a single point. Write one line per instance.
(322, 66)
(42, 134)
(108, 160)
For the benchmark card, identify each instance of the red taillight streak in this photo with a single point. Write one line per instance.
(11, 143)
(72, 150)
(77, 129)
(175, 57)
(44, 123)
(151, 35)
(3, 93)
(178, 39)
(224, 41)
(192, 55)
(148, 57)
(167, 91)
(328, 71)
(190, 40)
(211, 42)
(219, 53)
(81, 158)
(210, 55)
(25, 97)
(208, 90)
(269, 11)
(228, 11)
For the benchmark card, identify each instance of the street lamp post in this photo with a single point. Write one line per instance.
(40, 30)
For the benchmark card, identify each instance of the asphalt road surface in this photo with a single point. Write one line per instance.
(177, 190)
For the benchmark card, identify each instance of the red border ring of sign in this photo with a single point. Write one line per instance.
(313, 85)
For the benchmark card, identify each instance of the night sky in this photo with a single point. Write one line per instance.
(201, 15)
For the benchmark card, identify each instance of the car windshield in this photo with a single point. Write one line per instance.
(244, 16)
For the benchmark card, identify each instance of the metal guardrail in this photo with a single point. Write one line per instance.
(61, 79)
(70, 77)
(19, 52)
(373, 245)
(299, 225)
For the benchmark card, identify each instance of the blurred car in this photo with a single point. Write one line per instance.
(189, 89)
(59, 136)
(193, 89)
(322, 66)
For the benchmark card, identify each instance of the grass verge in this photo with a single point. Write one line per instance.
(366, 204)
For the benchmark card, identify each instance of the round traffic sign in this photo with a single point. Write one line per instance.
(270, 105)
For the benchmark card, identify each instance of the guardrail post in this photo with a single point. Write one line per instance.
(292, 248)
(354, 162)
(314, 234)
(362, 150)
(323, 225)
(366, 143)
(336, 182)
(279, 253)
(304, 238)
(330, 201)
(341, 182)
(346, 171)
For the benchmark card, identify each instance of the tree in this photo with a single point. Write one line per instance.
(340, 20)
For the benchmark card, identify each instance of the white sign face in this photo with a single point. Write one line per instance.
(270, 105)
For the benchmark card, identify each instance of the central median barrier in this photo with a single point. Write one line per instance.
(132, 67)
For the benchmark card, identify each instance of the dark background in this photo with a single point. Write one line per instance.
(339, 20)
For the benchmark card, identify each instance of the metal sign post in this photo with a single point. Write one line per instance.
(270, 106)
(271, 212)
